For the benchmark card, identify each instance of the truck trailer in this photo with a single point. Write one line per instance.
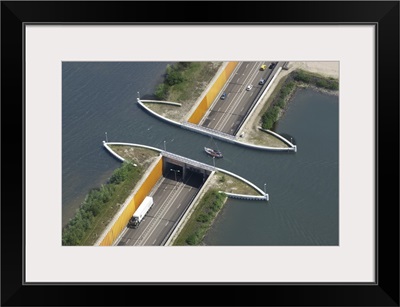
(140, 212)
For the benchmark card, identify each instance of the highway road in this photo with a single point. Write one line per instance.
(227, 115)
(171, 199)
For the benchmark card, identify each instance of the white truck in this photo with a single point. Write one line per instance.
(140, 212)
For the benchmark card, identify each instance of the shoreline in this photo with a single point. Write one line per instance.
(250, 131)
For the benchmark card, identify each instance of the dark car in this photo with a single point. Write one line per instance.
(223, 96)
(272, 65)
(262, 81)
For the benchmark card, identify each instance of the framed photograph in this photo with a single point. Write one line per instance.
(94, 84)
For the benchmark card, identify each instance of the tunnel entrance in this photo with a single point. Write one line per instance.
(181, 171)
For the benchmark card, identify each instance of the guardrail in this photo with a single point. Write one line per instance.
(208, 131)
(246, 197)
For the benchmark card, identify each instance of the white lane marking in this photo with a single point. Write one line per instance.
(242, 109)
(224, 120)
(166, 224)
(219, 109)
(238, 79)
(247, 65)
(179, 205)
(155, 241)
(164, 207)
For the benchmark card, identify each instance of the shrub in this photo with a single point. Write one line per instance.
(96, 201)
(203, 218)
(192, 239)
(162, 91)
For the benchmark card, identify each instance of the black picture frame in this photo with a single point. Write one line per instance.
(383, 14)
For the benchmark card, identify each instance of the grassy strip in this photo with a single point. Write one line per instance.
(100, 206)
(296, 79)
(201, 219)
(184, 81)
(143, 156)
(227, 183)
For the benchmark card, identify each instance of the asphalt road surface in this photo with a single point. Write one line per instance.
(171, 199)
(227, 115)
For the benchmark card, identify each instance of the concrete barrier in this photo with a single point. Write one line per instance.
(264, 147)
(162, 102)
(244, 180)
(211, 92)
(246, 197)
(294, 147)
(157, 115)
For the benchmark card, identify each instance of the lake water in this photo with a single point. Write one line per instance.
(303, 186)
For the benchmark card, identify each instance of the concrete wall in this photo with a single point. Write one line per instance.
(123, 218)
(215, 89)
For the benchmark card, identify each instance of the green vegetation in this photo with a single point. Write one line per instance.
(275, 110)
(296, 79)
(142, 156)
(201, 219)
(100, 206)
(184, 81)
(316, 80)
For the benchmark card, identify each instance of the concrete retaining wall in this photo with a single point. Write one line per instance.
(157, 115)
(163, 102)
(265, 196)
(142, 189)
(212, 93)
(293, 147)
(247, 197)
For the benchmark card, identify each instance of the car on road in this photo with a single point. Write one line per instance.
(223, 96)
(263, 67)
(272, 65)
(262, 81)
(249, 87)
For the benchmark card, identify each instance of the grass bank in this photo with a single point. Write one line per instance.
(185, 81)
(201, 219)
(227, 183)
(100, 206)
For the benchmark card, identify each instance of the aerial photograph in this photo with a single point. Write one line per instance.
(217, 153)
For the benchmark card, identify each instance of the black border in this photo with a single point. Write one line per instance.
(383, 14)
